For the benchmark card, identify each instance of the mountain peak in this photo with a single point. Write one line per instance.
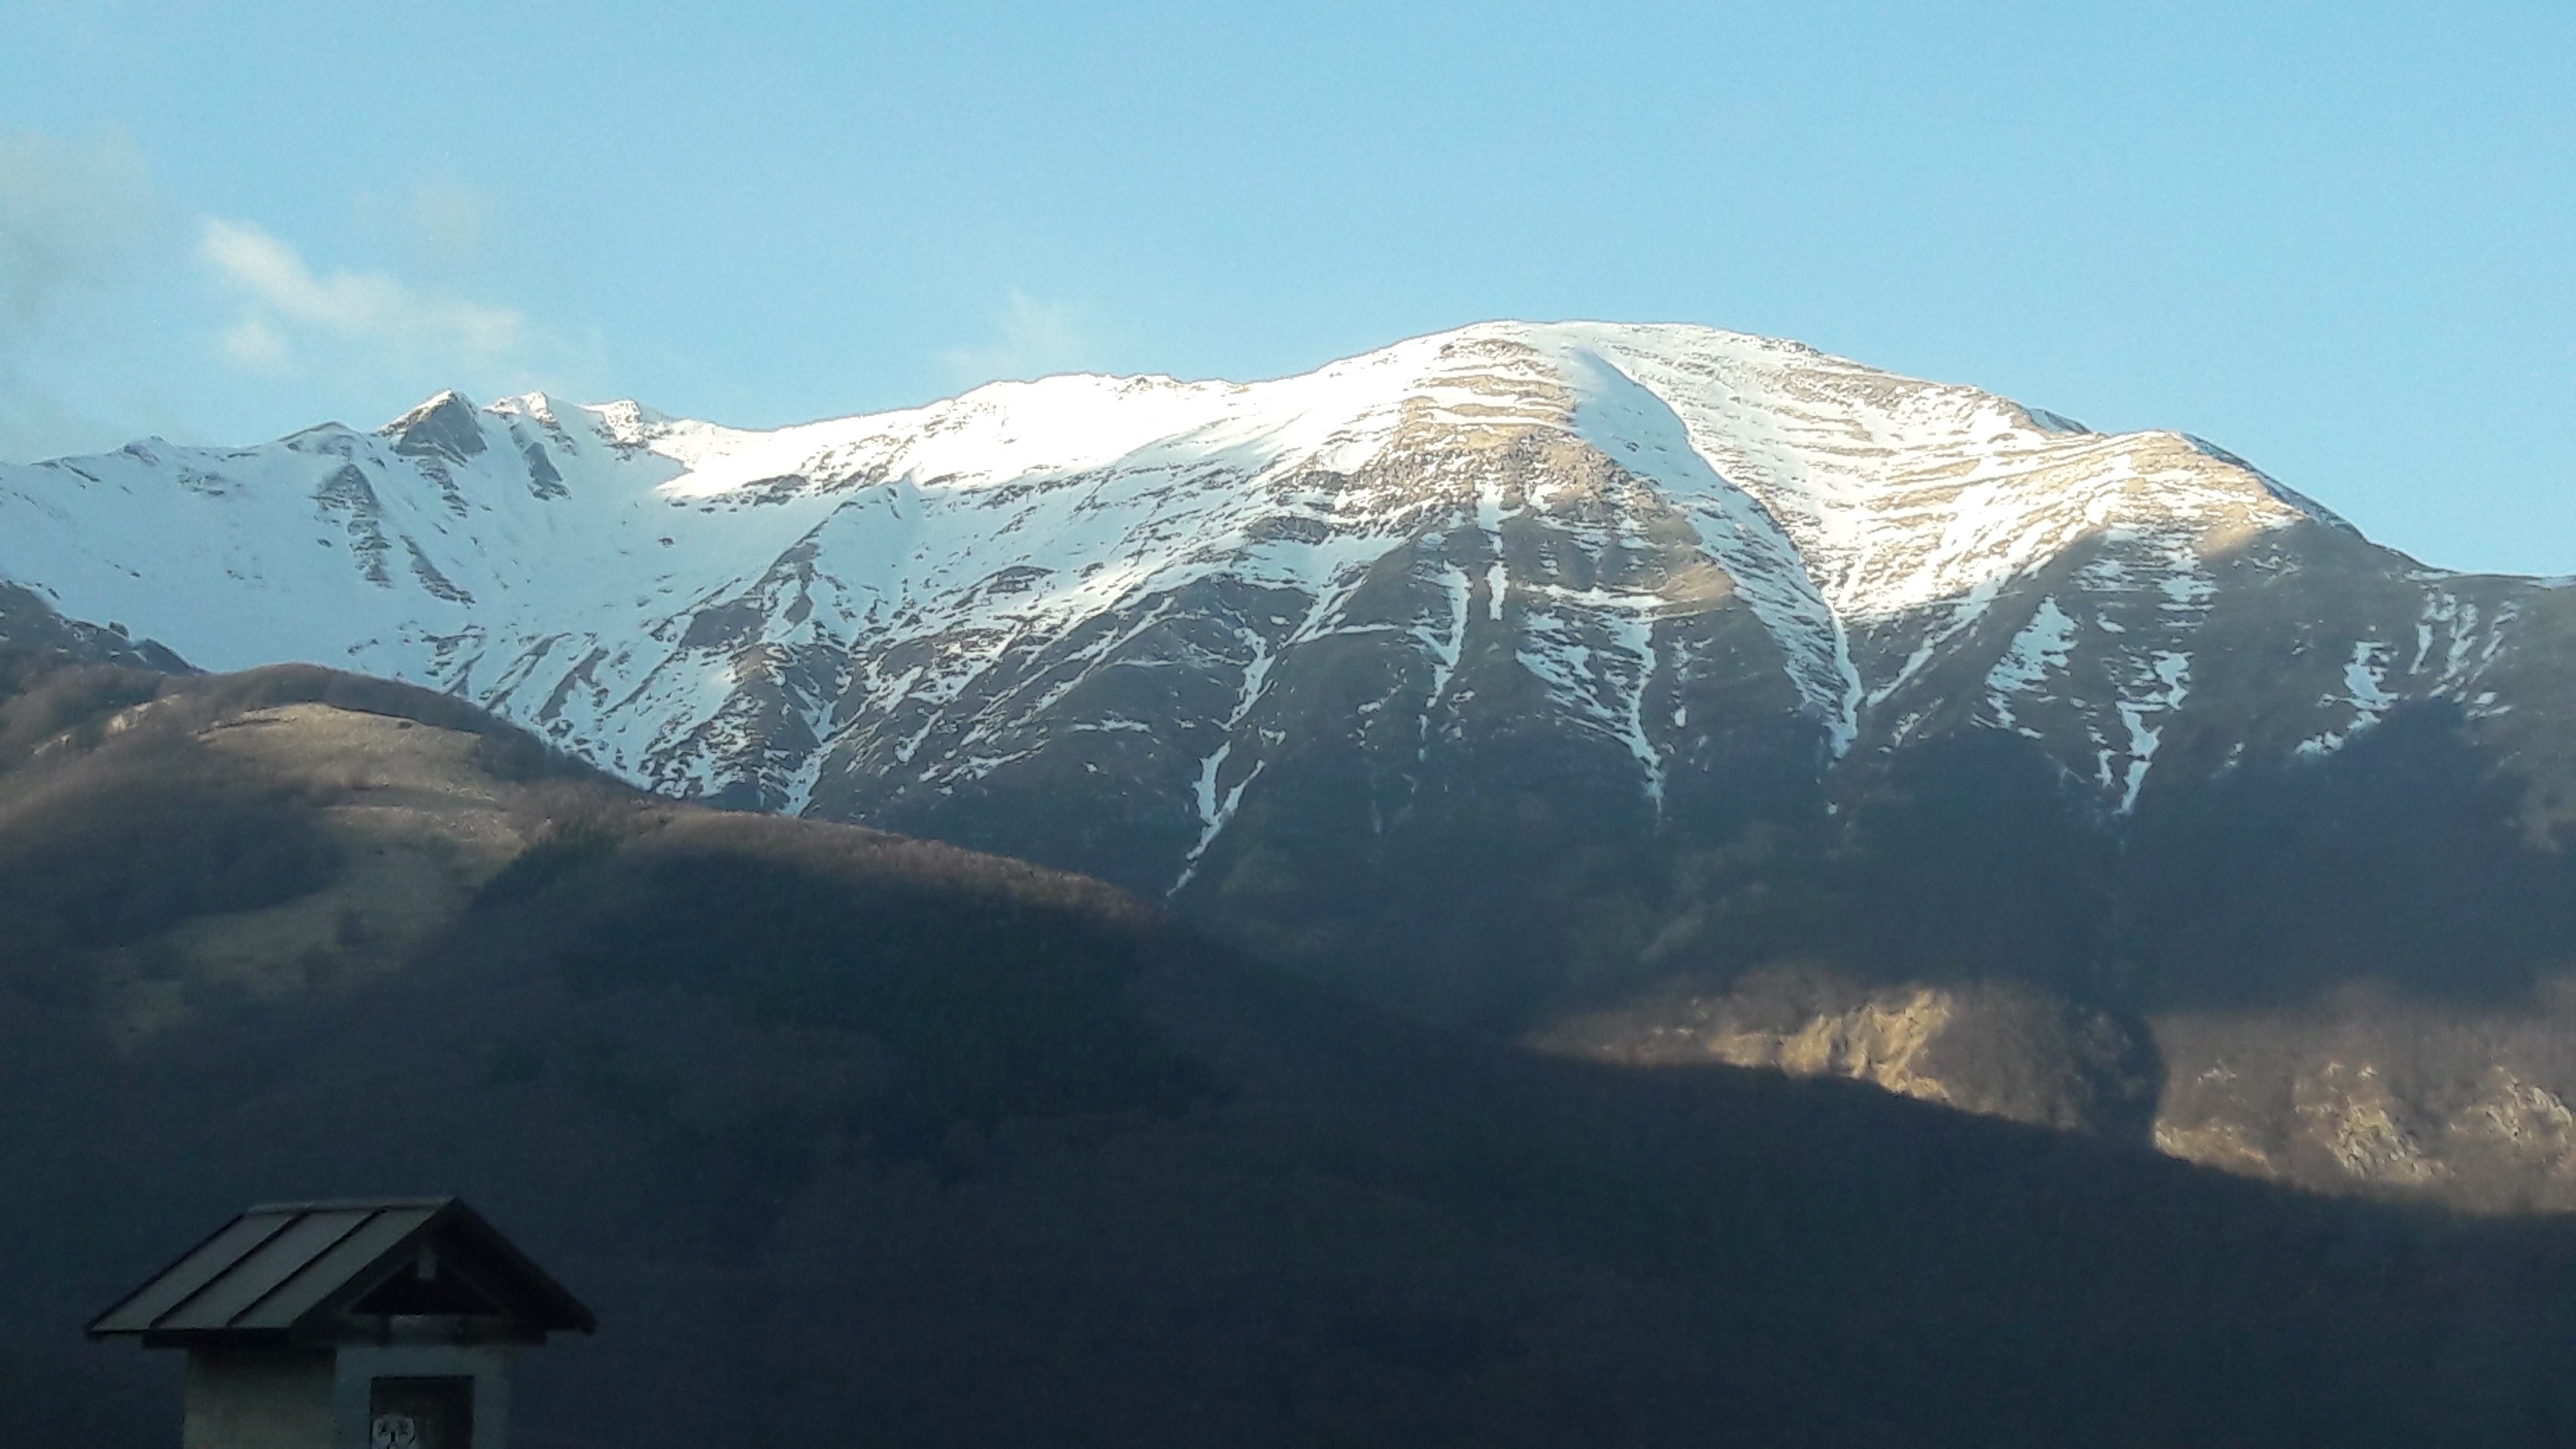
(1566, 514)
(444, 426)
(541, 407)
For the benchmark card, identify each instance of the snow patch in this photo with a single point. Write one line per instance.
(2038, 651)
(2172, 671)
(2365, 678)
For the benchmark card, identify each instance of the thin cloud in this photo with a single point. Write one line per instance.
(441, 225)
(76, 218)
(254, 346)
(72, 217)
(1037, 338)
(100, 271)
(285, 296)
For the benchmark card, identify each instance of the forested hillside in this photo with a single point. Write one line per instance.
(851, 1138)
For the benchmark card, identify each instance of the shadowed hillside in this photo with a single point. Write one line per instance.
(2350, 971)
(850, 1138)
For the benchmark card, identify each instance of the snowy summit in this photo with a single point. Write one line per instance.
(1666, 546)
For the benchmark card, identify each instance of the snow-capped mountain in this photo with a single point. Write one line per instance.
(1666, 546)
(1559, 679)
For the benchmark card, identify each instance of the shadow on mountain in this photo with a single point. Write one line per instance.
(851, 1138)
(1523, 872)
(975, 1161)
(2402, 860)
(2348, 970)
(2401, 863)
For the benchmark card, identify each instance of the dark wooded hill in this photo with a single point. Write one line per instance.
(855, 1139)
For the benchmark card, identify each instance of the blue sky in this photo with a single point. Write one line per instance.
(2336, 239)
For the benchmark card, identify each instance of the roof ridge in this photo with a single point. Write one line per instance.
(348, 1204)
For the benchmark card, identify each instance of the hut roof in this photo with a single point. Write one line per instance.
(296, 1270)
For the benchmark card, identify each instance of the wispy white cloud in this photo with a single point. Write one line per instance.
(76, 216)
(285, 296)
(1037, 338)
(72, 216)
(123, 313)
(254, 346)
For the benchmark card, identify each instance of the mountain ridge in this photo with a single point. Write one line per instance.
(1816, 519)
(1568, 682)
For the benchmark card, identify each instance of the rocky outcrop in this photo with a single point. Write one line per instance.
(2467, 1105)
(31, 630)
(1994, 1050)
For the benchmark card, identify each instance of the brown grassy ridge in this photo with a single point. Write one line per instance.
(840, 1129)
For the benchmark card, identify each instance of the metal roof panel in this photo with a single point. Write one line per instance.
(304, 1239)
(332, 1270)
(201, 1265)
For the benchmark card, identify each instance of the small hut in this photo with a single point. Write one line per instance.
(380, 1324)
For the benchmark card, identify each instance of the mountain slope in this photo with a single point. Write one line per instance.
(867, 612)
(837, 1129)
(1575, 681)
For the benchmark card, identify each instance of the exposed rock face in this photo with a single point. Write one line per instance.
(2386, 1097)
(2362, 1095)
(1995, 1050)
(31, 629)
